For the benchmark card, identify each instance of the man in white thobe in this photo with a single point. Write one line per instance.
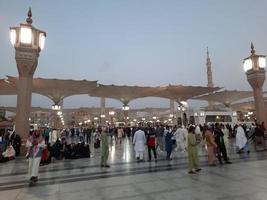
(198, 134)
(139, 141)
(185, 133)
(180, 139)
(241, 139)
(225, 137)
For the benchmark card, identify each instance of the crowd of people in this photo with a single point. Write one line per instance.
(48, 144)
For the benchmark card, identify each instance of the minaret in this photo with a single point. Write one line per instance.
(209, 72)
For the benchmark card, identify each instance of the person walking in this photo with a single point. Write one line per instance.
(168, 142)
(89, 131)
(46, 134)
(211, 145)
(180, 138)
(104, 146)
(139, 141)
(193, 161)
(35, 145)
(160, 137)
(151, 143)
(120, 134)
(226, 135)
(221, 150)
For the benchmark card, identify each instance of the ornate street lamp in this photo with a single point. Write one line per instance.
(111, 114)
(125, 107)
(28, 42)
(56, 107)
(254, 67)
(182, 108)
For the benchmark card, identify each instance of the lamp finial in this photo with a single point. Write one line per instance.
(29, 19)
(252, 48)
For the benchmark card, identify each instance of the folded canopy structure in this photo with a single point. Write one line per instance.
(183, 93)
(57, 89)
(7, 88)
(246, 106)
(226, 97)
(125, 94)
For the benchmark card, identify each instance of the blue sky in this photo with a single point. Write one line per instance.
(134, 42)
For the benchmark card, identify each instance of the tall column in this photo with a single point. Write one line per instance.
(125, 109)
(102, 110)
(126, 115)
(103, 106)
(256, 80)
(27, 60)
(172, 107)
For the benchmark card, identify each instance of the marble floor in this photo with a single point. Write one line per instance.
(83, 179)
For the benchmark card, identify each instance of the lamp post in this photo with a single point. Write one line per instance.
(28, 42)
(56, 117)
(254, 67)
(56, 107)
(126, 109)
(154, 120)
(182, 108)
(111, 114)
(102, 117)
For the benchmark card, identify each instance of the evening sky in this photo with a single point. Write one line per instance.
(137, 42)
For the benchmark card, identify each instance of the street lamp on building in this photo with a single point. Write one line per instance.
(28, 42)
(254, 67)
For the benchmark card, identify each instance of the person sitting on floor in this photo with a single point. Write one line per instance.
(70, 152)
(8, 154)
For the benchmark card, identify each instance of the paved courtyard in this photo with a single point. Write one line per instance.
(83, 179)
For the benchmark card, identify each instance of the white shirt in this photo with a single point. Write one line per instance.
(139, 140)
